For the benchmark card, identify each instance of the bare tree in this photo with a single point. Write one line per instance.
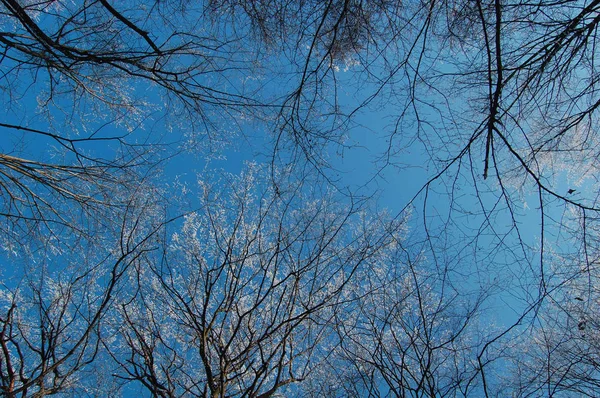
(103, 77)
(558, 355)
(243, 301)
(498, 96)
(76, 197)
(54, 301)
(406, 331)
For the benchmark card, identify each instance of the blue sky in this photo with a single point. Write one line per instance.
(461, 225)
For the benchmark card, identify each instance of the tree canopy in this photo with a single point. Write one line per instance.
(299, 198)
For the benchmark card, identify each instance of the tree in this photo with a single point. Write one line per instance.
(559, 355)
(244, 298)
(53, 305)
(86, 65)
(406, 331)
(499, 97)
(76, 173)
